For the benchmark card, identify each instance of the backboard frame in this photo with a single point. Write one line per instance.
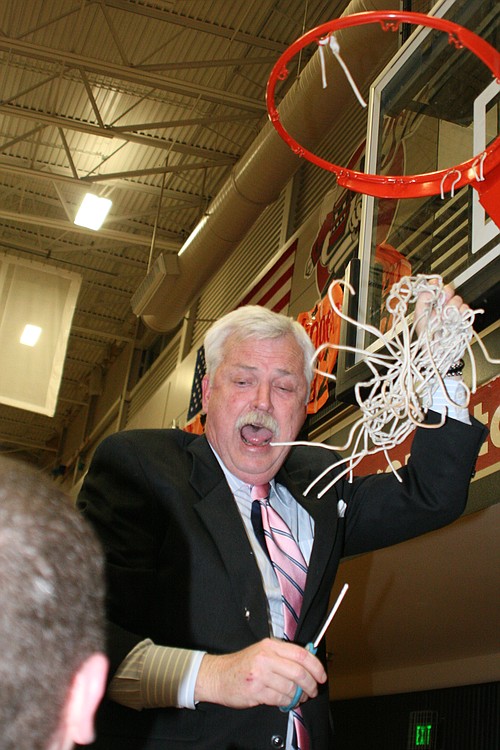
(479, 281)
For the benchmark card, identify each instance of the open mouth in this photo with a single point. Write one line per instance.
(256, 435)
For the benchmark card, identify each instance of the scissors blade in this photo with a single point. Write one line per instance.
(331, 615)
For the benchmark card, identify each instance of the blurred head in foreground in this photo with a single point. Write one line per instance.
(52, 665)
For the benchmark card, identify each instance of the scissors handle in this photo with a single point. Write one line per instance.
(313, 647)
(298, 692)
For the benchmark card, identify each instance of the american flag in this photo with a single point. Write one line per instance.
(196, 395)
(272, 290)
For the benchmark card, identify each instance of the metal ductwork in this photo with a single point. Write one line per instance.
(263, 171)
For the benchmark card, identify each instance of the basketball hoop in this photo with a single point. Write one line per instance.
(475, 170)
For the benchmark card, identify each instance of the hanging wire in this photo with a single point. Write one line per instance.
(157, 217)
(304, 26)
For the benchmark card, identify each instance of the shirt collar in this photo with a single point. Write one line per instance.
(235, 484)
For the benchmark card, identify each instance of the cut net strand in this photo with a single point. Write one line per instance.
(415, 359)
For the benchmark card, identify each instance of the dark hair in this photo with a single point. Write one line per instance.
(51, 604)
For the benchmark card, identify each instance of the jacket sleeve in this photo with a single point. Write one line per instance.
(119, 502)
(382, 511)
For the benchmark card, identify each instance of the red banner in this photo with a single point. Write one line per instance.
(485, 406)
(323, 326)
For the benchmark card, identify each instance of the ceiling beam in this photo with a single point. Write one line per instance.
(102, 334)
(185, 121)
(224, 62)
(124, 238)
(179, 168)
(137, 76)
(192, 23)
(9, 440)
(12, 110)
(11, 168)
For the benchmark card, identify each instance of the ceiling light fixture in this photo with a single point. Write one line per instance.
(37, 302)
(93, 211)
(30, 335)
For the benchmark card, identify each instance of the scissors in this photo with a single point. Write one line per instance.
(312, 647)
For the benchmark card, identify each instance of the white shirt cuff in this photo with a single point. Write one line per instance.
(185, 695)
(453, 402)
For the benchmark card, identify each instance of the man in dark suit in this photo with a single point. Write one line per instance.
(196, 629)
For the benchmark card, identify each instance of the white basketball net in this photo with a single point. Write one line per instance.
(406, 371)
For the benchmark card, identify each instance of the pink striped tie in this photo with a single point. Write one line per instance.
(291, 571)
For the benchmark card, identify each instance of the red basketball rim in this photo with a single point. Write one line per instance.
(392, 186)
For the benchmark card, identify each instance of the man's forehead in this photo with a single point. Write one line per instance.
(240, 339)
(252, 346)
(240, 365)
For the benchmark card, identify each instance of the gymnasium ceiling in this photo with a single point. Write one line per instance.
(147, 102)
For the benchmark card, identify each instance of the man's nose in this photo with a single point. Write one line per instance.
(263, 400)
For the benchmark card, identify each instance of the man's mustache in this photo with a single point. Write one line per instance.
(259, 419)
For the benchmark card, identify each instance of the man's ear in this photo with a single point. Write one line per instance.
(205, 391)
(85, 694)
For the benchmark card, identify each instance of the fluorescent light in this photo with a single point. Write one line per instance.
(92, 211)
(44, 297)
(30, 335)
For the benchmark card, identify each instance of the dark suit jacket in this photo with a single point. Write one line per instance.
(181, 570)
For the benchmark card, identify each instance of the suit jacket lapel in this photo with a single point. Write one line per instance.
(219, 513)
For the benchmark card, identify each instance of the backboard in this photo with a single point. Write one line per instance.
(434, 106)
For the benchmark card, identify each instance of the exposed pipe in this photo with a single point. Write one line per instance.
(263, 171)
